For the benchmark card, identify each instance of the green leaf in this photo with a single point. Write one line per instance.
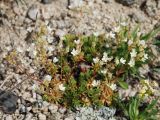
(157, 43)
(151, 34)
(153, 103)
(134, 33)
(123, 84)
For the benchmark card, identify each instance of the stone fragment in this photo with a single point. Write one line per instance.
(46, 1)
(8, 101)
(126, 2)
(42, 116)
(33, 13)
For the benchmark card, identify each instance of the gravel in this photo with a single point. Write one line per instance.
(17, 26)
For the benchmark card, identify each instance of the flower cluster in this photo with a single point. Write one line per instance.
(148, 88)
(87, 70)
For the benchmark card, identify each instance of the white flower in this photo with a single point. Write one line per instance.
(122, 60)
(117, 61)
(124, 24)
(77, 41)
(155, 84)
(105, 57)
(130, 42)
(125, 40)
(131, 63)
(95, 83)
(49, 39)
(146, 82)
(112, 118)
(61, 87)
(133, 53)
(96, 34)
(104, 71)
(33, 53)
(112, 35)
(47, 78)
(107, 45)
(49, 29)
(117, 29)
(145, 57)
(96, 60)
(34, 86)
(110, 75)
(113, 86)
(142, 43)
(19, 49)
(29, 29)
(75, 52)
(50, 49)
(55, 59)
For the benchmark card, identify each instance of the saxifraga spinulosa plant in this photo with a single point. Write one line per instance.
(86, 70)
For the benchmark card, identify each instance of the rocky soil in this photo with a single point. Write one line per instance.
(20, 18)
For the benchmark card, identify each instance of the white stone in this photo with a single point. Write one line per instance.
(46, 104)
(53, 108)
(31, 70)
(33, 13)
(29, 108)
(9, 117)
(62, 110)
(29, 116)
(42, 116)
(34, 95)
(26, 95)
(69, 118)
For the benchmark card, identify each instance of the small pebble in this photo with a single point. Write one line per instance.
(46, 1)
(62, 110)
(29, 116)
(9, 117)
(53, 108)
(42, 116)
(23, 109)
(33, 13)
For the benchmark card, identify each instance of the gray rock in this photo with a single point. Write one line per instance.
(33, 13)
(23, 109)
(46, 1)
(107, 1)
(126, 2)
(39, 104)
(137, 17)
(8, 101)
(150, 7)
